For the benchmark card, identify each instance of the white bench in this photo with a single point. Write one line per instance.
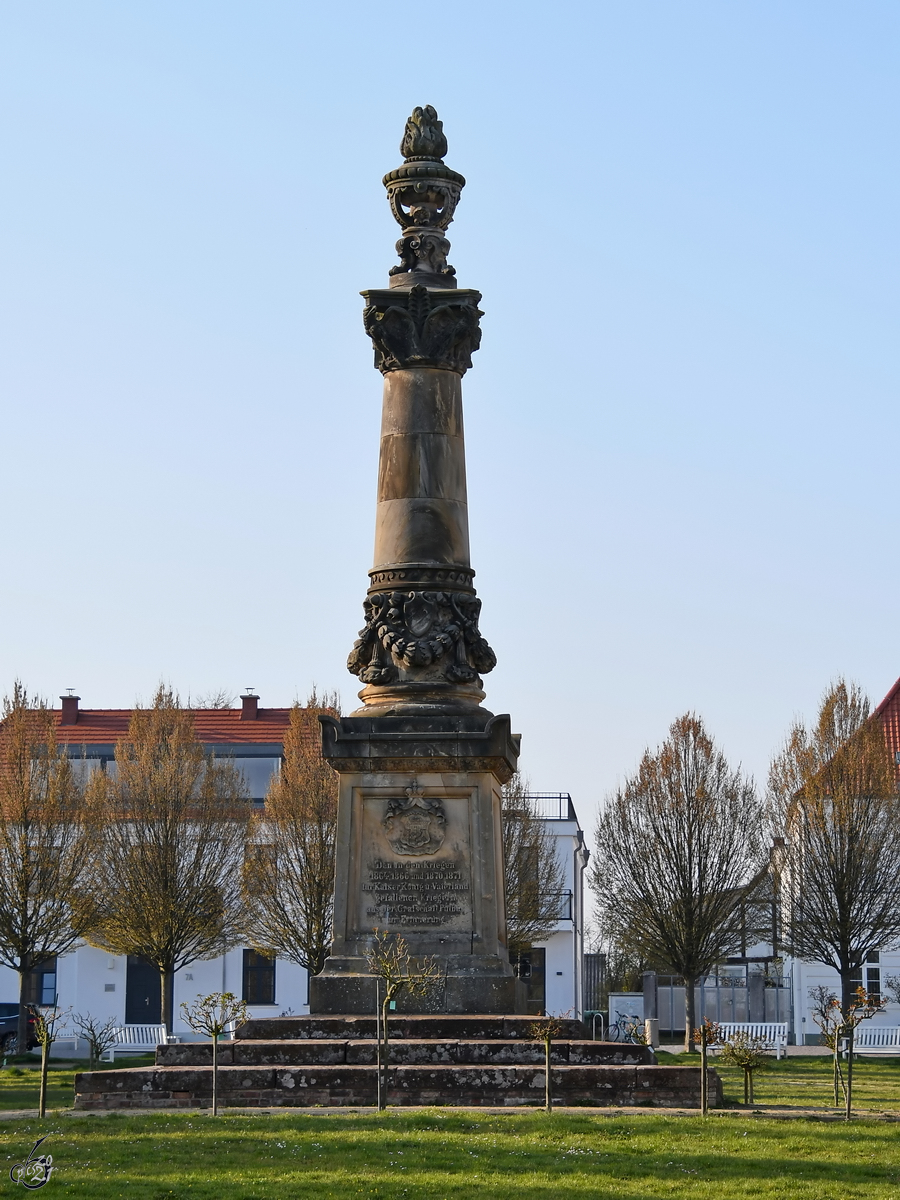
(71, 1038)
(874, 1039)
(773, 1034)
(136, 1039)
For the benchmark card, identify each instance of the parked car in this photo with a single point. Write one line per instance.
(9, 1029)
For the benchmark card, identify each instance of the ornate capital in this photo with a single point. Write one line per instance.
(423, 195)
(423, 327)
(412, 632)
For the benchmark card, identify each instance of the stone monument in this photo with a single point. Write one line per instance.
(421, 763)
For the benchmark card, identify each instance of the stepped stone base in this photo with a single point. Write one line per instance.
(329, 1052)
(330, 1086)
(301, 1062)
(473, 1027)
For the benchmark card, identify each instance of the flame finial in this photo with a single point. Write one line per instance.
(424, 136)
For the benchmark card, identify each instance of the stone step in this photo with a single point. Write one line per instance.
(329, 1086)
(362, 1052)
(402, 1025)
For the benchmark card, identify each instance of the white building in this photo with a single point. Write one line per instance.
(127, 989)
(555, 966)
(883, 962)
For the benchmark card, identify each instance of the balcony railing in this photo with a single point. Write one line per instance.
(557, 905)
(553, 806)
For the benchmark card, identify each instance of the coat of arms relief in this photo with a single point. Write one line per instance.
(415, 824)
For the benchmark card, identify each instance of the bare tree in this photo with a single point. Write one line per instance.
(289, 871)
(47, 1021)
(545, 1030)
(535, 876)
(706, 1035)
(747, 1051)
(48, 840)
(861, 1008)
(833, 792)
(396, 971)
(622, 968)
(168, 882)
(218, 698)
(678, 852)
(212, 1015)
(99, 1034)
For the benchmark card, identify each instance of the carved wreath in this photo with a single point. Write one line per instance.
(416, 629)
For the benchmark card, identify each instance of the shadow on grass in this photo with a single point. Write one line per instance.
(442, 1154)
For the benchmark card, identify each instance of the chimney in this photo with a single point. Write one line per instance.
(249, 706)
(69, 709)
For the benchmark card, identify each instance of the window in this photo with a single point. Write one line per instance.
(873, 982)
(528, 864)
(40, 987)
(873, 974)
(869, 975)
(84, 768)
(258, 774)
(259, 858)
(259, 978)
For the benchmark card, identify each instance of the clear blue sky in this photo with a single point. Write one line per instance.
(682, 426)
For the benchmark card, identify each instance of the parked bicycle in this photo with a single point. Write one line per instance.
(626, 1028)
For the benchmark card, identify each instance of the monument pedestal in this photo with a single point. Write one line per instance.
(420, 853)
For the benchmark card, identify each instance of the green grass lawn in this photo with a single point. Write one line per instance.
(456, 1154)
(21, 1081)
(807, 1082)
(438, 1154)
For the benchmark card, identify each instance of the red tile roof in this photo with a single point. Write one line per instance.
(889, 711)
(214, 726)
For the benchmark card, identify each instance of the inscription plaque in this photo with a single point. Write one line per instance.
(415, 863)
(415, 894)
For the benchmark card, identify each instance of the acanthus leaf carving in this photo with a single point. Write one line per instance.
(419, 328)
(421, 250)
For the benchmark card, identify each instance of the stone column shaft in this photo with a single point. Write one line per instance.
(422, 515)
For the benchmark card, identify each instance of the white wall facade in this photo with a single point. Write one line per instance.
(91, 981)
(564, 948)
(806, 975)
